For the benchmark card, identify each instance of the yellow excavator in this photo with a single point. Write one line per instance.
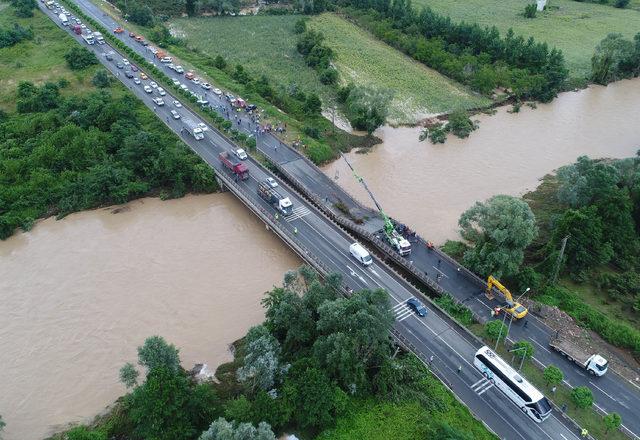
(514, 308)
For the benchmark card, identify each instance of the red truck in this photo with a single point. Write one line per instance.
(77, 29)
(236, 167)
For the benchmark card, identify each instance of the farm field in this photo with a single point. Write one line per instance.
(575, 27)
(363, 59)
(266, 45)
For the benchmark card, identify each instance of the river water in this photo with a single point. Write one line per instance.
(428, 186)
(77, 296)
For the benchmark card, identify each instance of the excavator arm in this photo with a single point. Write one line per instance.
(514, 308)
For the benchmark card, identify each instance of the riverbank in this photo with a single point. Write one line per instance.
(80, 294)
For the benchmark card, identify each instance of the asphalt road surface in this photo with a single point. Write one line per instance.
(433, 335)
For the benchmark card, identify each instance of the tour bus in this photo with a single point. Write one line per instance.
(515, 387)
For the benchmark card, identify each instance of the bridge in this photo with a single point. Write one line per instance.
(321, 236)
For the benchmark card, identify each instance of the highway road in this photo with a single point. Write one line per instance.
(451, 347)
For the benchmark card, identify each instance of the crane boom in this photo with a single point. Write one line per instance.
(398, 241)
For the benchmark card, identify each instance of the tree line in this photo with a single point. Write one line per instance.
(64, 153)
(316, 354)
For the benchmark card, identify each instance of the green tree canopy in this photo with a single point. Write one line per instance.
(157, 353)
(582, 397)
(612, 421)
(262, 366)
(615, 58)
(499, 230)
(553, 375)
(495, 329)
(221, 429)
(367, 108)
(129, 375)
(79, 58)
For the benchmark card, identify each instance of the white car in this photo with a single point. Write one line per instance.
(242, 155)
(272, 182)
(177, 104)
(206, 86)
(196, 80)
(153, 84)
(184, 87)
(161, 91)
(158, 101)
(217, 92)
(175, 114)
(166, 60)
(171, 66)
(176, 82)
(125, 62)
(203, 126)
(83, 26)
(136, 80)
(179, 69)
(148, 89)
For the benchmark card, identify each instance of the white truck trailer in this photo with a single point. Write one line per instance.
(193, 129)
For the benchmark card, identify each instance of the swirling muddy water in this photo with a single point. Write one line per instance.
(77, 296)
(428, 186)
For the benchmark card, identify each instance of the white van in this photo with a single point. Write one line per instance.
(360, 254)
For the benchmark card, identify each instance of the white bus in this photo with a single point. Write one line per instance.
(515, 387)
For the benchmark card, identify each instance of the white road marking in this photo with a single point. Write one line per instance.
(441, 272)
(540, 345)
(603, 392)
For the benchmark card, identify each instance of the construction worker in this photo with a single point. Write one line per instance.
(584, 433)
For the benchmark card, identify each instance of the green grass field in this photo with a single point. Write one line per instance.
(266, 45)
(575, 28)
(363, 59)
(262, 44)
(37, 60)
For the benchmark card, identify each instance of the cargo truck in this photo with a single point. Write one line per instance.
(273, 197)
(236, 167)
(593, 363)
(193, 129)
(77, 29)
(63, 19)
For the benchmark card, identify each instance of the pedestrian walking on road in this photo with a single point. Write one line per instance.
(439, 262)
(276, 216)
(459, 369)
(295, 230)
(564, 407)
(526, 323)
(430, 359)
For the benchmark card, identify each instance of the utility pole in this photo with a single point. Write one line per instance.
(559, 260)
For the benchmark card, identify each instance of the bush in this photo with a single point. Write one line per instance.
(79, 58)
(621, 4)
(582, 397)
(553, 375)
(460, 312)
(530, 11)
(219, 63)
(438, 134)
(495, 329)
(9, 37)
(329, 76)
(311, 131)
(301, 26)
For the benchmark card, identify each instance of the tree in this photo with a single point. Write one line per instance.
(238, 409)
(367, 108)
(460, 124)
(499, 230)
(523, 349)
(129, 375)
(219, 62)
(221, 429)
(611, 421)
(159, 409)
(101, 79)
(84, 433)
(312, 104)
(612, 60)
(2, 424)
(261, 363)
(353, 337)
(553, 375)
(190, 7)
(530, 10)
(24, 8)
(584, 226)
(313, 396)
(79, 58)
(495, 329)
(582, 397)
(156, 353)
(139, 14)
(301, 26)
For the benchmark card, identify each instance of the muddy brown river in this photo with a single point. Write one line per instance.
(78, 296)
(428, 186)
